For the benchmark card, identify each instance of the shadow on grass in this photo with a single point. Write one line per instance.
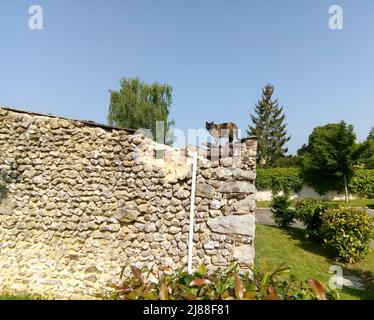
(370, 206)
(307, 244)
(366, 277)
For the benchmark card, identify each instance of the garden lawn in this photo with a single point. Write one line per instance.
(263, 204)
(362, 203)
(359, 203)
(7, 296)
(308, 260)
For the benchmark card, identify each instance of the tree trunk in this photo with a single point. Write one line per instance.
(345, 188)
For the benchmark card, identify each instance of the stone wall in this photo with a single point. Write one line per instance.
(83, 200)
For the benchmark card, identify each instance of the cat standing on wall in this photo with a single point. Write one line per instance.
(222, 130)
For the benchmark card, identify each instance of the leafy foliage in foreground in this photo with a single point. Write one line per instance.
(225, 284)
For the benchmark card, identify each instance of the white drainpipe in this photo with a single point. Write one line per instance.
(192, 210)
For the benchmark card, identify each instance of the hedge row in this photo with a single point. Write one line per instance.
(362, 183)
(279, 179)
(290, 179)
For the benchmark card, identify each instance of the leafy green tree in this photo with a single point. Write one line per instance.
(371, 134)
(367, 158)
(270, 128)
(328, 159)
(138, 105)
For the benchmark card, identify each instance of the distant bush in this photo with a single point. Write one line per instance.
(282, 213)
(279, 179)
(347, 232)
(287, 162)
(309, 212)
(362, 183)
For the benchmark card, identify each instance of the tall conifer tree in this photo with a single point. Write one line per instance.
(270, 128)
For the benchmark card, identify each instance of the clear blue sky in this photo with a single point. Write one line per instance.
(217, 54)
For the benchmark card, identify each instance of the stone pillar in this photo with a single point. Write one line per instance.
(235, 196)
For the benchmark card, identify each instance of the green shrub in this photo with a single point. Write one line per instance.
(279, 179)
(282, 213)
(222, 284)
(347, 232)
(362, 183)
(309, 212)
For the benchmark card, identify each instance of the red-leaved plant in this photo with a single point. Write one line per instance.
(226, 284)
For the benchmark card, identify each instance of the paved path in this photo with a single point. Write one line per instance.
(264, 216)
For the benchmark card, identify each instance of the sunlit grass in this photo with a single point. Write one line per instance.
(9, 296)
(362, 203)
(308, 260)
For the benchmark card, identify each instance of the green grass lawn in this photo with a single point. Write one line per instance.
(263, 204)
(362, 203)
(308, 260)
(7, 296)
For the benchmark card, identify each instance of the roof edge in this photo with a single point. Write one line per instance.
(86, 122)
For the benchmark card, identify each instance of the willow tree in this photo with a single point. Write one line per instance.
(270, 128)
(138, 105)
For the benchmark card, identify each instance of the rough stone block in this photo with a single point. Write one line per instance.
(244, 254)
(246, 205)
(240, 174)
(205, 191)
(126, 215)
(242, 225)
(237, 187)
(215, 204)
